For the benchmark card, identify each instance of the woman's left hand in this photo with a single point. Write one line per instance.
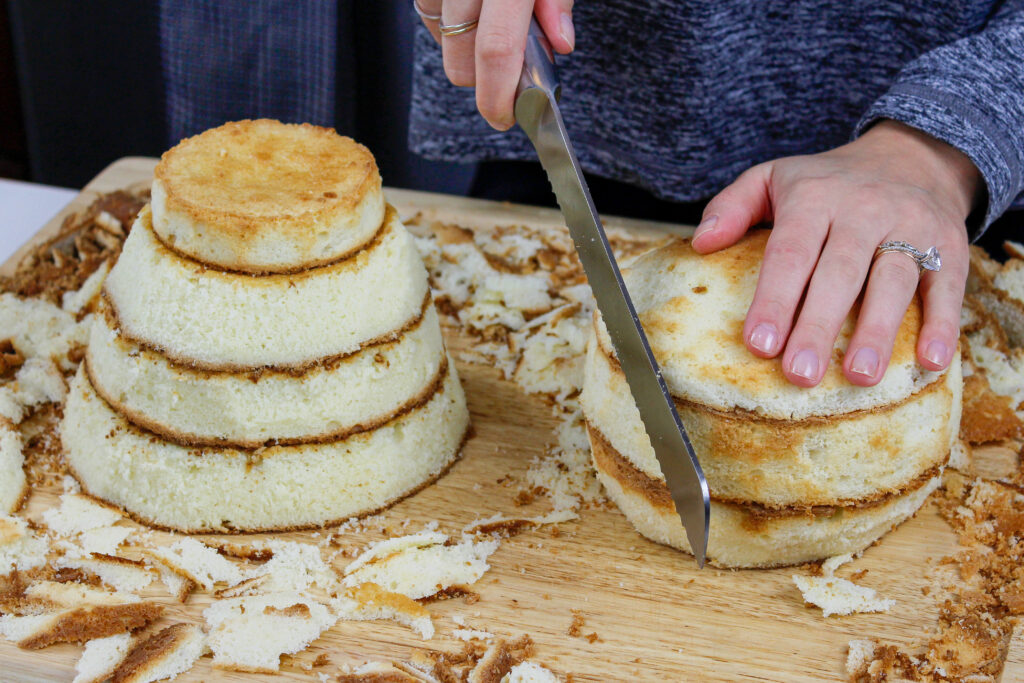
(831, 211)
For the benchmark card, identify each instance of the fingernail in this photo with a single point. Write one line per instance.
(764, 337)
(937, 352)
(500, 125)
(865, 362)
(706, 225)
(805, 364)
(568, 32)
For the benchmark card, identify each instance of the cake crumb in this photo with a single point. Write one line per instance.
(575, 629)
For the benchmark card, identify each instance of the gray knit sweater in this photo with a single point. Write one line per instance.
(680, 97)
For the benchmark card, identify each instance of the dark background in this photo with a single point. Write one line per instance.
(81, 86)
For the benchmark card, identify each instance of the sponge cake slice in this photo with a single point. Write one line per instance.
(815, 461)
(745, 535)
(281, 487)
(219, 320)
(325, 402)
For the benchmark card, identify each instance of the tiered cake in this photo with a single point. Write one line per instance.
(267, 354)
(795, 474)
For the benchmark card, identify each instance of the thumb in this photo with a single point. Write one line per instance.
(734, 210)
(555, 17)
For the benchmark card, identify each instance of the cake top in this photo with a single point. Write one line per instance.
(264, 196)
(693, 309)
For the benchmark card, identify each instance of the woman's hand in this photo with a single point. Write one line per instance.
(490, 56)
(830, 213)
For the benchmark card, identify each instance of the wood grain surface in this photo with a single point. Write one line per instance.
(656, 616)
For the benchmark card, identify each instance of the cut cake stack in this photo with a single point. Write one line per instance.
(267, 354)
(795, 474)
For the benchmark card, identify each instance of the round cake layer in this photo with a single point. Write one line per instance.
(745, 536)
(282, 487)
(263, 196)
(249, 409)
(217, 320)
(693, 308)
(855, 456)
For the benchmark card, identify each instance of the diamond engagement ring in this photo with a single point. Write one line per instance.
(925, 260)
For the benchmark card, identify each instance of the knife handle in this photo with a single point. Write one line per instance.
(539, 64)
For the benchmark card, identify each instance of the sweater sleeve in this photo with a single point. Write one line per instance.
(970, 94)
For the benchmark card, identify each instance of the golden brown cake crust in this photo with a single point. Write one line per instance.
(676, 291)
(732, 265)
(371, 595)
(251, 176)
(779, 423)
(148, 652)
(349, 259)
(988, 416)
(184, 364)
(141, 519)
(96, 621)
(628, 475)
(191, 440)
(273, 178)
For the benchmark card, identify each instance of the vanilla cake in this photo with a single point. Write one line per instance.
(223, 320)
(266, 354)
(327, 400)
(262, 196)
(795, 474)
(216, 488)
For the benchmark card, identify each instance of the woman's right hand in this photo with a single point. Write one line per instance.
(490, 56)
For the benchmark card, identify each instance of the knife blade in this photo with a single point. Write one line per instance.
(537, 113)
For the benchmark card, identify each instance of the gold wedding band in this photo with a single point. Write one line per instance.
(426, 16)
(456, 29)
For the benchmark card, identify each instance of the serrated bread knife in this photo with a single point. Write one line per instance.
(537, 112)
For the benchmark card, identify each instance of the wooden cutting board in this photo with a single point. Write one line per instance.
(656, 616)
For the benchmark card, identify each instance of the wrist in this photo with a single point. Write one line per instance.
(930, 163)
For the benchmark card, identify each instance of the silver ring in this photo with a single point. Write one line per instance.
(925, 260)
(456, 29)
(424, 15)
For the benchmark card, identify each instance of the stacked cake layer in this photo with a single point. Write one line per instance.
(795, 474)
(338, 352)
(227, 320)
(168, 484)
(322, 201)
(249, 373)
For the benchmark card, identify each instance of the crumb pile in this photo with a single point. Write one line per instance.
(522, 295)
(46, 309)
(980, 607)
(268, 598)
